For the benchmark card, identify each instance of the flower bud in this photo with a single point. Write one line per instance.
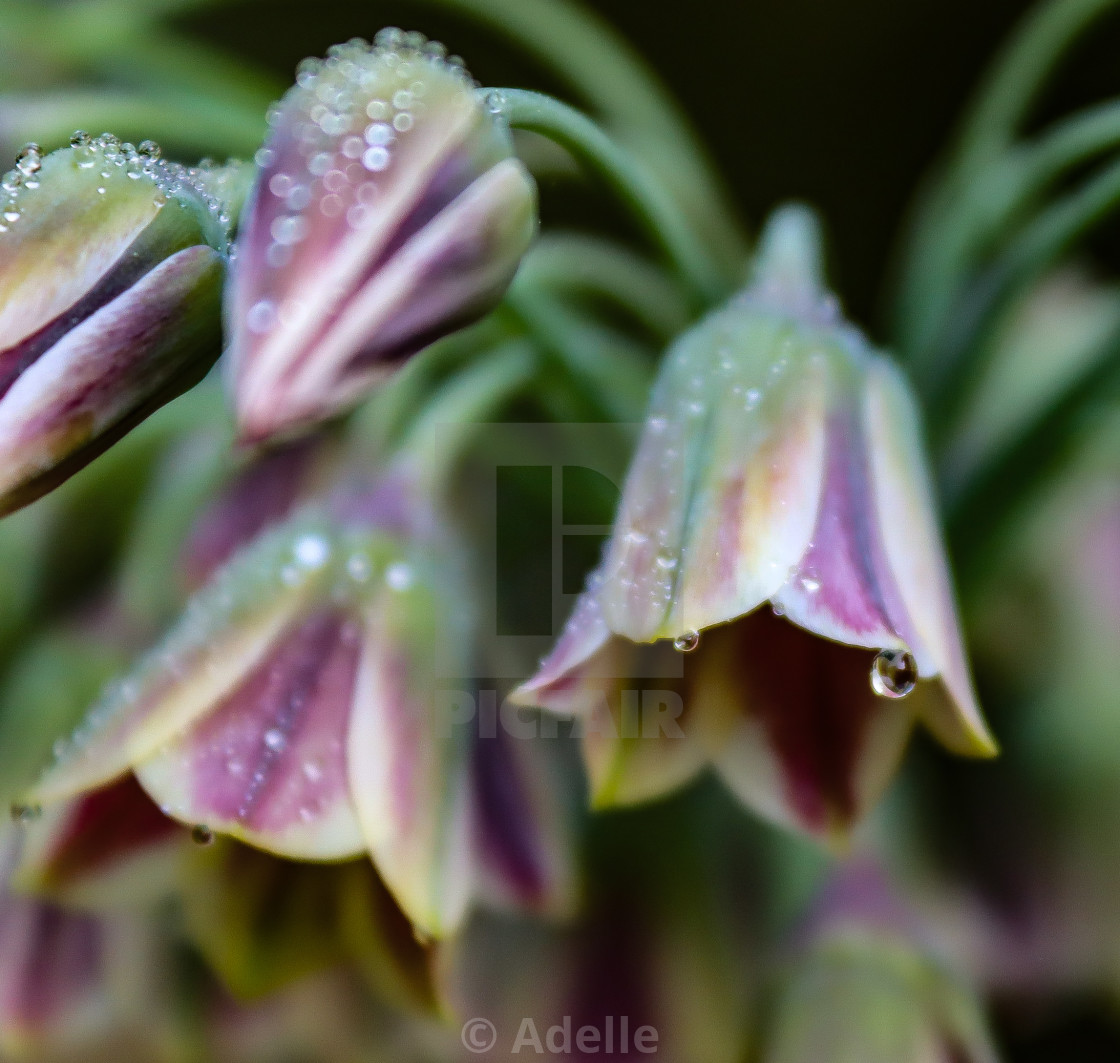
(781, 463)
(111, 265)
(388, 211)
(861, 989)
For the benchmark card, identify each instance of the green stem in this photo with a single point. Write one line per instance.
(962, 351)
(193, 127)
(1020, 73)
(611, 370)
(989, 504)
(986, 209)
(1004, 100)
(572, 262)
(436, 440)
(591, 58)
(652, 207)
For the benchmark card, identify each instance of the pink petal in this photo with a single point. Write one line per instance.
(409, 758)
(915, 554)
(267, 764)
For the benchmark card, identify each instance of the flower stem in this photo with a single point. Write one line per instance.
(574, 262)
(962, 350)
(447, 425)
(651, 205)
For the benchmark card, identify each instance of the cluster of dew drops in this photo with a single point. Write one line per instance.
(109, 157)
(345, 116)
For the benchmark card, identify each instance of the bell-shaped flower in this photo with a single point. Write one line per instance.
(77, 986)
(861, 988)
(389, 210)
(781, 464)
(316, 701)
(111, 267)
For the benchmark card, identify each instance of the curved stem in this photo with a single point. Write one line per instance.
(988, 206)
(587, 264)
(989, 503)
(592, 59)
(446, 426)
(193, 126)
(1020, 73)
(1035, 250)
(614, 374)
(652, 207)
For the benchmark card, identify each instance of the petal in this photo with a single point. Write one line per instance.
(267, 764)
(66, 241)
(723, 492)
(408, 752)
(565, 682)
(639, 740)
(109, 849)
(842, 588)
(228, 628)
(793, 724)
(136, 352)
(525, 822)
(445, 277)
(915, 554)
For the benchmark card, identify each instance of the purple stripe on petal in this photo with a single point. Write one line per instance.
(143, 254)
(812, 744)
(268, 763)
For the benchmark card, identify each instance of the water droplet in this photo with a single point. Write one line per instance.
(24, 814)
(202, 834)
(398, 576)
(29, 160)
(149, 149)
(495, 102)
(312, 551)
(753, 398)
(894, 673)
(80, 139)
(687, 642)
(274, 739)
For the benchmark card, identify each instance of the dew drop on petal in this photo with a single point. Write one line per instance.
(202, 834)
(25, 814)
(687, 642)
(894, 673)
(398, 576)
(274, 739)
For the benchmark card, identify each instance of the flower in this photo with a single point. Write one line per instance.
(314, 701)
(74, 985)
(860, 988)
(388, 211)
(111, 266)
(781, 463)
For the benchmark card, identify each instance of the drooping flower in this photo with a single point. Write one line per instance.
(389, 210)
(111, 267)
(861, 988)
(74, 985)
(316, 701)
(780, 463)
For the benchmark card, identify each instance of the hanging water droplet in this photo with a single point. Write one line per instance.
(24, 814)
(202, 834)
(687, 642)
(29, 160)
(894, 673)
